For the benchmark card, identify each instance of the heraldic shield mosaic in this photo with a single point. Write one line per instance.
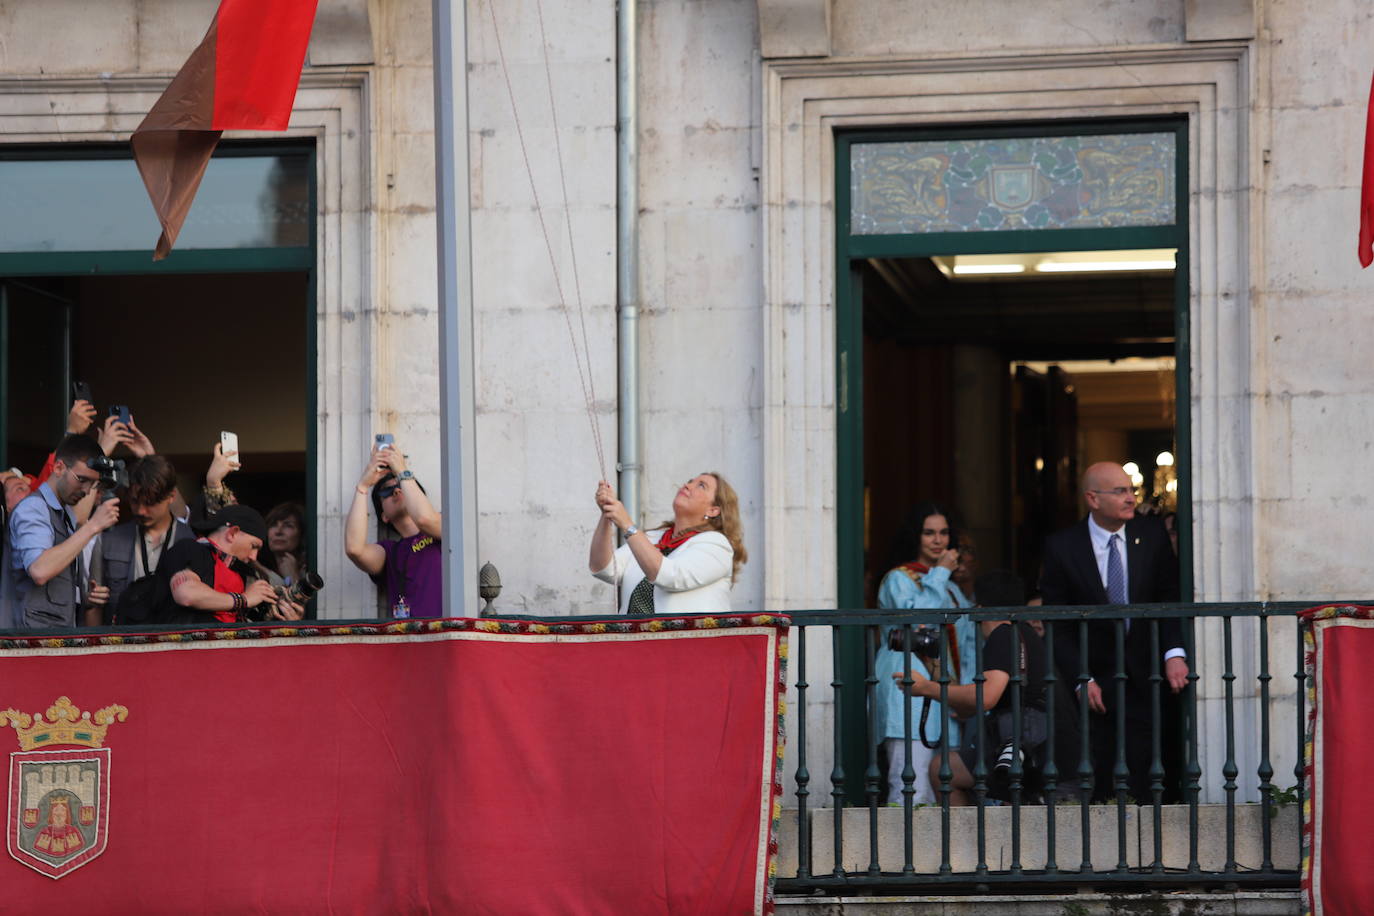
(1015, 183)
(59, 811)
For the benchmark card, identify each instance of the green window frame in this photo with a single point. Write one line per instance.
(850, 249)
(303, 258)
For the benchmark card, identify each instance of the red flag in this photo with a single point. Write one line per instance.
(1367, 189)
(449, 766)
(243, 76)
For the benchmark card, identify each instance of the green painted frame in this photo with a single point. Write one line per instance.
(206, 260)
(851, 249)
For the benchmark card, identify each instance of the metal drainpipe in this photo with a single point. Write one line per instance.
(627, 252)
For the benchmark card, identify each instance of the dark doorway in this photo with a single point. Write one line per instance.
(991, 393)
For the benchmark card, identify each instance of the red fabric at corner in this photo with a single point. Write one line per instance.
(1367, 188)
(1345, 792)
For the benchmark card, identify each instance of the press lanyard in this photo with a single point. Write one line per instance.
(143, 547)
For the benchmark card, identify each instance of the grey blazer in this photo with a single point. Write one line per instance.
(117, 548)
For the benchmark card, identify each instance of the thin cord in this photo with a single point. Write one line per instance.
(567, 205)
(582, 376)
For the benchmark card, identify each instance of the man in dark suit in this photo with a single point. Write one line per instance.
(1114, 557)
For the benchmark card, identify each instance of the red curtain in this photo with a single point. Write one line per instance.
(617, 767)
(1337, 879)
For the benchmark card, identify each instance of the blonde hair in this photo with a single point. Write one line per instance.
(727, 523)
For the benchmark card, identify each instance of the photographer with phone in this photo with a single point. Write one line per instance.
(46, 569)
(923, 561)
(411, 568)
(118, 429)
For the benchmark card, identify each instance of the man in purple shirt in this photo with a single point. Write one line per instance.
(410, 568)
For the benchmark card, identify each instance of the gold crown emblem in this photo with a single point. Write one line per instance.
(63, 723)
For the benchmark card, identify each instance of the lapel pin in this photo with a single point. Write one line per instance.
(1137, 542)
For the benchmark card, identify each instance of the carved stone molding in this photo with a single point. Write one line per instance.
(1219, 20)
(794, 28)
(342, 34)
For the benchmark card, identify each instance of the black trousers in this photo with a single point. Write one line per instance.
(1139, 746)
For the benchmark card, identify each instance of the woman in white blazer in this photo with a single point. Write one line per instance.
(685, 566)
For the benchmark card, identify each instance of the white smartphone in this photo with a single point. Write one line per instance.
(229, 443)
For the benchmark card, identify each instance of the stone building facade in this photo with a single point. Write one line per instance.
(739, 104)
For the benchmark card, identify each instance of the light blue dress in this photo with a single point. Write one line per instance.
(934, 591)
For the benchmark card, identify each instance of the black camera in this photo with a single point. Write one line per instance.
(113, 474)
(303, 589)
(299, 592)
(925, 640)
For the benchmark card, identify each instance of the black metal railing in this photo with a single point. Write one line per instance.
(1064, 823)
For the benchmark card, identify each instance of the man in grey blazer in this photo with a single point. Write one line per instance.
(133, 549)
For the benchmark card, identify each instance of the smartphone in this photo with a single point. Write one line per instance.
(385, 439)
(228, 443)
(81, 392)
(121, 411)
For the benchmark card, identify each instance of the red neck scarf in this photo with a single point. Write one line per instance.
(922, 569)
(671, 540)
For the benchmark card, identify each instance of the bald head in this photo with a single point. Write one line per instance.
(1109, 494)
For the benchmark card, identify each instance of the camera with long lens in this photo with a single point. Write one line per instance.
(300, 591)
(113, 474)
(303, 589)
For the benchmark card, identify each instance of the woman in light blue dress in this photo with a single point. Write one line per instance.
(925, 559)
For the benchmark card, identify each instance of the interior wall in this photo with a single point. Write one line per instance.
(195, 354)
(908, 427)
(192, 355)
(980, 450)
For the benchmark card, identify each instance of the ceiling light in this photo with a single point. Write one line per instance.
(966, 270)
(1099, 266)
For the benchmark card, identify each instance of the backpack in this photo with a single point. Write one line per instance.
(145, 598)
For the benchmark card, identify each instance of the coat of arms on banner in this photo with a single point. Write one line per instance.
(59, 810)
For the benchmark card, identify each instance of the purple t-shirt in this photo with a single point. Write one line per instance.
(414, 568)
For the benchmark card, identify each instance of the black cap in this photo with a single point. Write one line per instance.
(245, 518)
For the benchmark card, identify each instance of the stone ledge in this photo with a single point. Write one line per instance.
(1103, 851)
(1263, 903)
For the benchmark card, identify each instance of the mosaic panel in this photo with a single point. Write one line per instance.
(973, 185)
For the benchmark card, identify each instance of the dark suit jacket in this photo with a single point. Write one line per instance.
(1070, 576)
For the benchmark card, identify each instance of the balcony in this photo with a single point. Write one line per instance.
(1239, 732)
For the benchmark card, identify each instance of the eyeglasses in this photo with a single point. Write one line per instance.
(385, 492)
(1118, 492)
(86, 480)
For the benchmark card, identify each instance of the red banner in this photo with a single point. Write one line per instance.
(1337, 880)
(451, 766)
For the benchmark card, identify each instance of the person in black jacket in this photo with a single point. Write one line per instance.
(1114, 556)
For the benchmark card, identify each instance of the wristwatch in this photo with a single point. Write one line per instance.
(631, 532)
(407, 474)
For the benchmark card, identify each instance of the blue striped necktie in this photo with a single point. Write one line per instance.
(1116, 573)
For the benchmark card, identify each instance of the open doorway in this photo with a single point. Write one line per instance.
(992, 381)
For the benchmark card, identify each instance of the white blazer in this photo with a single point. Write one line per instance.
(693, 579)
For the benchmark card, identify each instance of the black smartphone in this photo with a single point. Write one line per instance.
(121, 411)
(81, 392)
